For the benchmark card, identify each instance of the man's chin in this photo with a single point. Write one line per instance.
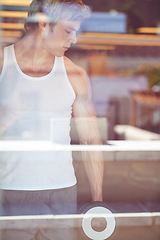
(59, 54)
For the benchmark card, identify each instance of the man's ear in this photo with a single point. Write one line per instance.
(41, 25)
(44, 28)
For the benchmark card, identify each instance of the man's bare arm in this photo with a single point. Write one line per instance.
(86, 124)
(1, 59)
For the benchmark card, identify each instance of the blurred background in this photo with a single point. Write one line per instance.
(119, 47)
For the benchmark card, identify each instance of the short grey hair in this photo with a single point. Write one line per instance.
(56, 10)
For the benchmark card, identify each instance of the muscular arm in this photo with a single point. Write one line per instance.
(1, 58)
(86, 124)
(89, 134)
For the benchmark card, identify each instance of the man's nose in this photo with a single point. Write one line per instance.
(73, 38)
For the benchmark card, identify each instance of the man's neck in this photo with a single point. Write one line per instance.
(32, 57)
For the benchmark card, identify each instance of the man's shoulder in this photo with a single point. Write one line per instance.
(77, 76)
(73, 68)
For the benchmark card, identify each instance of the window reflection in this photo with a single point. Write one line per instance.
(123, 70)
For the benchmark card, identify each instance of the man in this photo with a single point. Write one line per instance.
(39, 88)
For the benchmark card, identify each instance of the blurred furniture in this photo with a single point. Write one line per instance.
(102, 126)
(145, 110)
(127, 132)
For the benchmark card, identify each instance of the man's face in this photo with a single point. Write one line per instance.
(61, 36)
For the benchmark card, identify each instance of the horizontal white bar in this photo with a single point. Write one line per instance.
(49, 146)
(54, 221)
(80, 216)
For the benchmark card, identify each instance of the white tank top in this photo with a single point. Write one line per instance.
(35, 108)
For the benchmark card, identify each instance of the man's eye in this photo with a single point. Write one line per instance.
(68, 31)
